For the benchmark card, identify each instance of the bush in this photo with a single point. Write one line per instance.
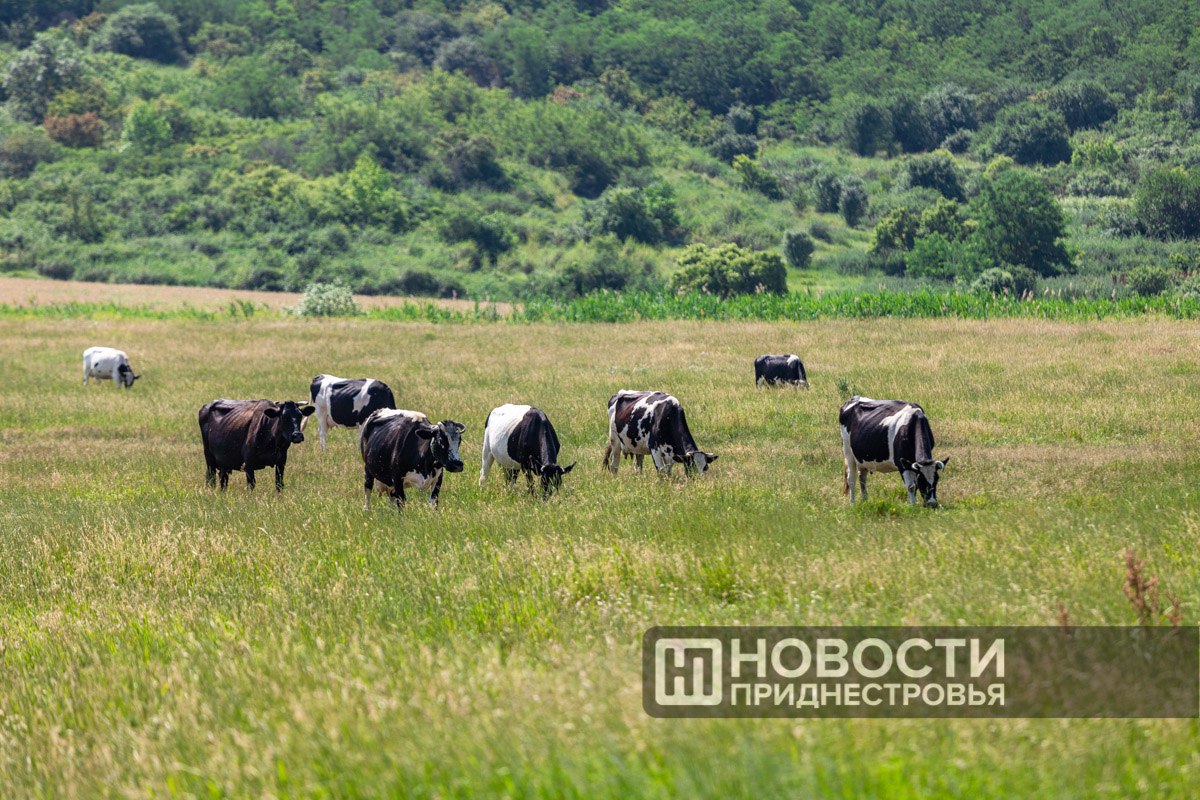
(1097, 183)
(253, 86)
(867, 127)
(490, 233)
(1148, 280)
(23, 149)
(728, 270)
(416, 282)
(607, 268)
(798, 248)
(1031, 134)
(1083, 104)
(1011, 280)
(141, 31)
(935, 256)
(910, 126)
(827, 188)
(852, 202)
(76, 130)
(467, 56)
(647, 215)
(1021, 223)
(934, 171)
(146, 130)
(39, 72)
(944, 217)
(755, 178)
(948, 110)
(467, 160)
(1168, 203)
(819, 229)
(730, 145)
(326, 300)
(895, 232)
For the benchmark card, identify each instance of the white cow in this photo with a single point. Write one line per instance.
(107, 363)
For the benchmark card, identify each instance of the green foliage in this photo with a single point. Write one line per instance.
(754, 177)
(945, 217)
(254, 86)
(934, 171)
(1009, 281)
(1083, 104)
(1031, 134)
(936, 257)
(491, 233)
(852, 202)
(866, 126)
(146, 129)
(22, 149)
(1168, 203)
(1096, 152)
(1020, 223)
(605, 268)
(895, 232)
(76, 130)
(728, 270)
(1148, 279)
(367, 196)
(647, 215)
(828, 190)
(142, 31)
(35, 75)
(798, 248)
(326, 300)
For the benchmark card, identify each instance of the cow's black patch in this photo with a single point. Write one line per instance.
(775, 369)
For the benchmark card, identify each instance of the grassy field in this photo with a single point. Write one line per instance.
(160, 640)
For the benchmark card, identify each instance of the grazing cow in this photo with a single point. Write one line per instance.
(402, 449)
(889, 436)
(521, 439)
(347, 403)
(652, 423)
(107, 363)
(249, 435)
(771, 370)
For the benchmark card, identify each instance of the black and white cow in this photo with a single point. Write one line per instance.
(521, 439)
(345, 402)
(771, 369)
(889, 436)
(108, 363)
(403, 450)
(653, 424)
(249, 435)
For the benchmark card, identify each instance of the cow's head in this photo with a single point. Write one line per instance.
(927, 474)
(444, 439)
(552, 475)
(125, 375)
(291, 419)
(697, 461)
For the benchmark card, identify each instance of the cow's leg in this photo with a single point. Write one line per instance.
(487, 464)
(529, 480)
(250, 478)
(862, 482)
(398, 495)
(322, 428)
(368, 485)
(637, 461)
(851, 479)
(910, 484)
(224, 479)
(437, 491)
(86, 376)
(661, 462)
(613, 453)
(210, 475)
(510, 479)
(279, 475)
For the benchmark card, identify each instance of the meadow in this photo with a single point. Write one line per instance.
(158, 639)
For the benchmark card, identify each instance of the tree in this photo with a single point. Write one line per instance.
(141, 31)
(1031, 134)
(367, 197)
(948, 110)
(1168, 203)
(934, 171)
(896, 232)
(852, 202)
(466, 55)
(39, 72)
(754, 177)
(1020, 223)
(828, 189)
(1083, 104)
(867, 127)
(254, 86)
(146, 130)
(728, 270)
(798, 248)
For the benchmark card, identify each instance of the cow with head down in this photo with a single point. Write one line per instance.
(520, 439)
(652, 424)
(108, 363)
(889, 436)
(404, 450)
(249, 435)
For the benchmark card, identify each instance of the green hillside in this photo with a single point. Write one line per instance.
(555, 148)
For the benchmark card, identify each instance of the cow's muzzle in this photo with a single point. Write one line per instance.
(931, 502)
(454, 466)
(297, 437)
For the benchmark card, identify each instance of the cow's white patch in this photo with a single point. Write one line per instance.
(104, 363)
(361, 399)
(388, 413)
(417, 480)
(500, 425)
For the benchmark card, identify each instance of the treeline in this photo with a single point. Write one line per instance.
(560, 147)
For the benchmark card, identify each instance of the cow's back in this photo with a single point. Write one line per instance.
(382, 438)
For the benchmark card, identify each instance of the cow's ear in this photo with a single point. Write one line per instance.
(905, 465)
(942, 464)
(425, 433)
(711, 457)
(271, 411)
(307, 410)
(568, 469)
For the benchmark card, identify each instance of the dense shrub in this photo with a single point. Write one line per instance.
(1031, 134)
(755, 178)
(1098, 183)
(76, 130)
(1148, 280)
(895, 232)
(827, 187)
(491, 233)
(253, 86)
(648, 215)
(728, 270)
(1021, 223)
(467, 160)
(934, 171)
(852, 202)
(945, 217)
(34, 76)
(948, 110)
(798, 248)
(467, 56)
(1010, 280)
(866, 126)
(142, 31)
(146, 129)
(935, 256)
(606, 268)
(1168, 203)
(326, 300)
(22, 149)
(910, 124)
(1083, 104)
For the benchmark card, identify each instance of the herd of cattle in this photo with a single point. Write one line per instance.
(404, 450)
